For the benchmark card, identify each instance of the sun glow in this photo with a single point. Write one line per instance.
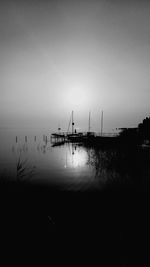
(77, 97)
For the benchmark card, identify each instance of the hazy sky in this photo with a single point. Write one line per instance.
(81, 55)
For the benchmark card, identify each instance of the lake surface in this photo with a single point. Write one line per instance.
(71, 222)
(70, 166)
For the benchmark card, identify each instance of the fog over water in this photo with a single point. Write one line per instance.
(58, 56)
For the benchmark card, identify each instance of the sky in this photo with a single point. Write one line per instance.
(83, 55)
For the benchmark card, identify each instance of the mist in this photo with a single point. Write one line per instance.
(59, 56)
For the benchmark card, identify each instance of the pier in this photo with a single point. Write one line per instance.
(89, 137)
(83, 137)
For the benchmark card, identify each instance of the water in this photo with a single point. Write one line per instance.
(65, 165)
(70, 166)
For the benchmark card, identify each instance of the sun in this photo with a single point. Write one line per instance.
(77, 97)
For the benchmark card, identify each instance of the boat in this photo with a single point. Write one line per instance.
(73, 136)
(79, 137)
(58, 135)
(89, 137)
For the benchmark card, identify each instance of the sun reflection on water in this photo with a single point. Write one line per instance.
(75, 158)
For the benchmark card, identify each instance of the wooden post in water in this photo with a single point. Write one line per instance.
(16, 139)
(26, 139)
(35, 138)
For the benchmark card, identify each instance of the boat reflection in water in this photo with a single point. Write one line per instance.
(69, 165)
(77, 166)
(88, 167)
(111, 168)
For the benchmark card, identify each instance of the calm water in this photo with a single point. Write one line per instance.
(71, 166)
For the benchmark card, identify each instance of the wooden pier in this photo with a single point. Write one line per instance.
(92, 138)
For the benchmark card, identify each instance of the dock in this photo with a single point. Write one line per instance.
(92, 138)
(89, 137)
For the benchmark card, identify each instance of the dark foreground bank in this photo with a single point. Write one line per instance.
(109, 228)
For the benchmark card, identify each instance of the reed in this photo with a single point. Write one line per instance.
(24, 171)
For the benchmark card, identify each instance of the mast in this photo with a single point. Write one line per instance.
(72, 124)
(102, 123)
(69, 124)
(89, 121)
(59, 128)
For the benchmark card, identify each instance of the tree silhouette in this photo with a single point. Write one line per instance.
(144, 129)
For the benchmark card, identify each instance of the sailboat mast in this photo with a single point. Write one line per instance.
(69, 124)
(89, 121)
(102, 123)
(72, 124)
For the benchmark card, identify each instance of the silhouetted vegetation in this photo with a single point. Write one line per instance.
(144, 130)
(139, 135)
(23, 172)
